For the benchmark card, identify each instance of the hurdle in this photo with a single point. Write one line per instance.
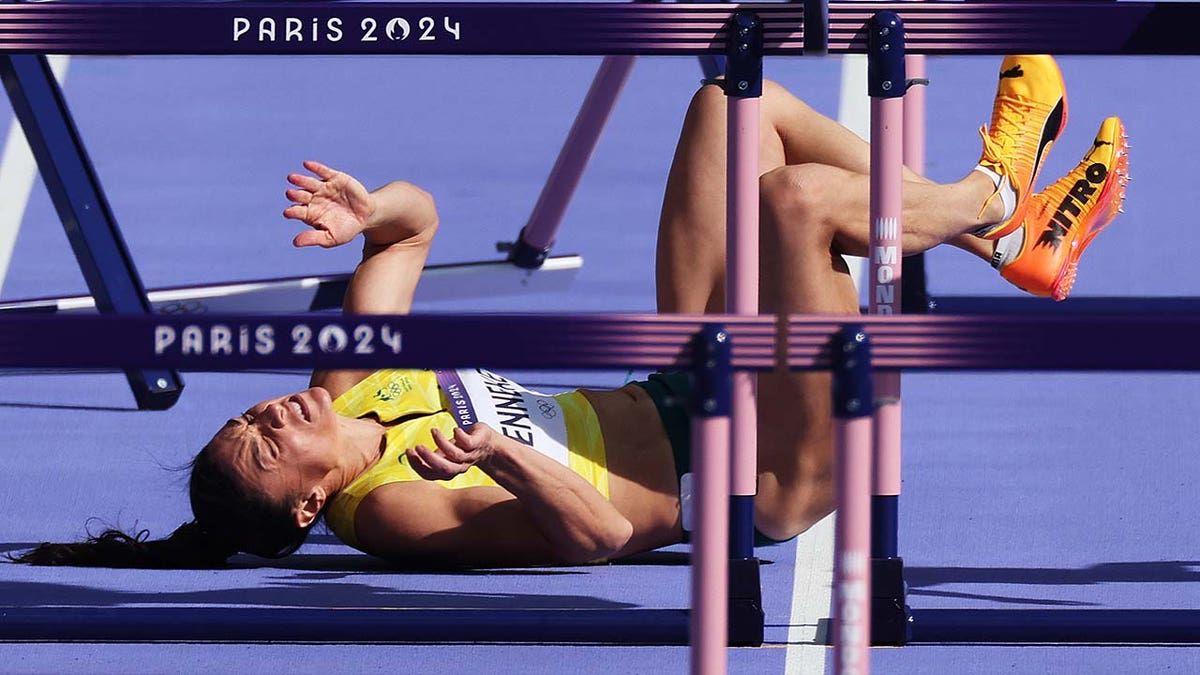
(893, 622)
(112, 277)
(45, 116)
(924, 343)
(1011, 344)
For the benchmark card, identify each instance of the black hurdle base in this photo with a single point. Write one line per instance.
(746, 618)
(890, 618)
(388, 625)
(1055, 626)
(343, 625)
(895, 624)
(660, 627)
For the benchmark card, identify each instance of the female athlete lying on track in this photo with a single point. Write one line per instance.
(592, 475)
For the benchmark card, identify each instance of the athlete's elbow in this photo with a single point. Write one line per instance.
(617, 536)
(612, 539)
(424, 209)
(604, 542)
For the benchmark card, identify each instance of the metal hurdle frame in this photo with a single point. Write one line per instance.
(536, 238)
(895, 138)
(112, 277)
(1127, 27)
(111, 274)
(712, 346)
(86, 216)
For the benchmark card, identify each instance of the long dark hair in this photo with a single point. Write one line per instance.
(228, 519)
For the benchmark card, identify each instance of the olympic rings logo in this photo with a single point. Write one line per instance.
(548, 409)
(183, 307)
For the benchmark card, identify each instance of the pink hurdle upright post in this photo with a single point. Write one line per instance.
(890, 614)
(535, 239)
(852, 557)
(714, 468)
(889, 127)
(743, 92)
(709, 624)
(852, 537)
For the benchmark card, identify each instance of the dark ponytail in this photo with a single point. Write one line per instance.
(189, 547)
(229, 519)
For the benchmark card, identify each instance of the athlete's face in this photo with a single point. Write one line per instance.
(281, 447)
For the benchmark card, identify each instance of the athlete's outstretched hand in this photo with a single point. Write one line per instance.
(334, 205)
(453, 456)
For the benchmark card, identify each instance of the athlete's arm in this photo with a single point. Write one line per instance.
(423, 523)
(543, 512)
(397, 222)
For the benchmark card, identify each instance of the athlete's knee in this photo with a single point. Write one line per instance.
(709, 97)
(795, 201)
(791, 512)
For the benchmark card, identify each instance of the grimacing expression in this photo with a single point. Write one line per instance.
(282, 446)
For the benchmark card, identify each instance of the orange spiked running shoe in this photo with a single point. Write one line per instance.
(1029, 113)
(1063, 219)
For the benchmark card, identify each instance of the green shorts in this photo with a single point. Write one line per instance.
(672, 396)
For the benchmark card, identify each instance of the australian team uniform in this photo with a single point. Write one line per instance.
(562, 427)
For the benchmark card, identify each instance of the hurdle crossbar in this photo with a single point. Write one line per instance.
(934, 27)
(213, 342)
(325, 292)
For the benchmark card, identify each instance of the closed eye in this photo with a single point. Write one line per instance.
(246, 419)
(259, 443)
(272, 450)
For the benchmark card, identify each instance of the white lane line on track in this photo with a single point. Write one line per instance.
(812, 585)
(812, 588)
(854, 113)
(17, 171)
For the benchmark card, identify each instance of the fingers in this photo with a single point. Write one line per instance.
(321, 238)
(320, 169)
(467, 440)
(299, 196)
(458, 453)
(431, 465)
(451, 457)
(302, 196)
(309, 183)
(419, 464)
(306, 182)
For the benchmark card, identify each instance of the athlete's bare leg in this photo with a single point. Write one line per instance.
(814, 208)
(691, 243)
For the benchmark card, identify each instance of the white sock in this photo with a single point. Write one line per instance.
(1008, 247)
(1008, 196)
